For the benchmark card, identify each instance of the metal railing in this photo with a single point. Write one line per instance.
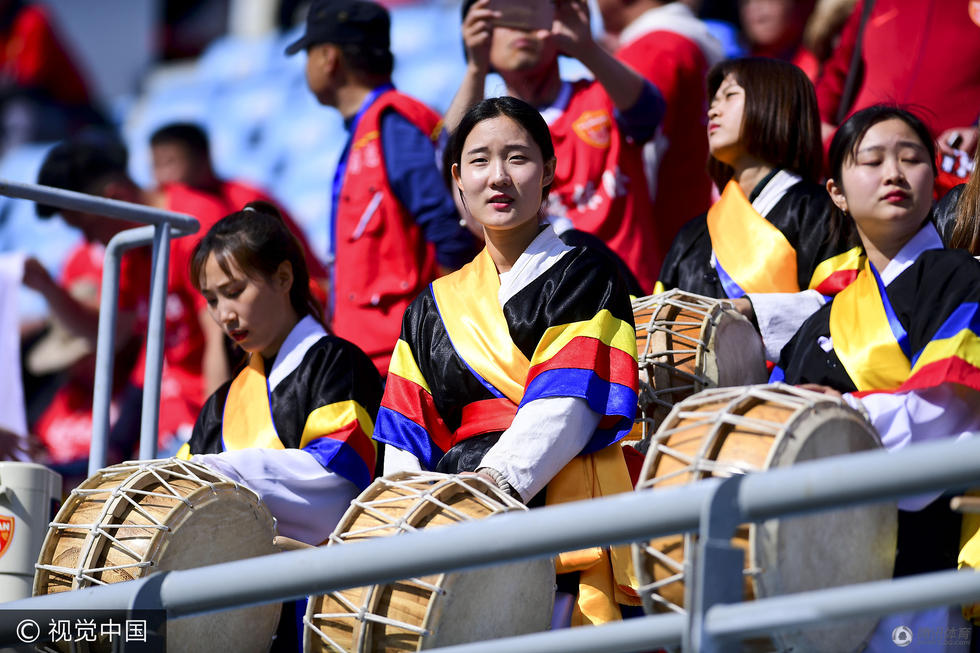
(165, 225)
(717, 626)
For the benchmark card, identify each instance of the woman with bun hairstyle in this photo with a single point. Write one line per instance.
(521, 366)
(295, 423)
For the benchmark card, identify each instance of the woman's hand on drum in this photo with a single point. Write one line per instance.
(816, 387)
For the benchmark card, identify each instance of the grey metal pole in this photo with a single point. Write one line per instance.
(871, 599)
(640, 634)
(67, 199)
(621, 518)
(105, 352)
(156, 328)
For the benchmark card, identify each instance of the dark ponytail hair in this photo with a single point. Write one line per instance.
(258, 241)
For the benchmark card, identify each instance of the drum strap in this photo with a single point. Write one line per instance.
(868, 338)
(247, 420)
(752, 254)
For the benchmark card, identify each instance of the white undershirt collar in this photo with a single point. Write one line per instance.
(303, 336)
(543, 252)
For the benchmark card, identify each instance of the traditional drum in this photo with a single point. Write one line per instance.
(136, 518)
(728, 431)
(686, 343)
(437, 610)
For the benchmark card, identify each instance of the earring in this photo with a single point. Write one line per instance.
(462, 222)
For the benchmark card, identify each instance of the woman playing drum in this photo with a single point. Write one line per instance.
(521, 365)
(295, 423)
(769, 231)
(902, 340)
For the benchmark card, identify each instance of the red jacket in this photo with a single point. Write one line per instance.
(600, 184)
(678, 155)
(924, 54)
(382, 260)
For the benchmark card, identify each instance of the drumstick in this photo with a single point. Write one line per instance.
(284, 543)
(965, 504)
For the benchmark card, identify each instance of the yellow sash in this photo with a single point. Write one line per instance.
(749, 248)
(476, 325)
(247, 420)
(863, 340)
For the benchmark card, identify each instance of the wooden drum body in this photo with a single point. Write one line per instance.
(437, 610)
(686, 343)
(136, 518)
(728, 431)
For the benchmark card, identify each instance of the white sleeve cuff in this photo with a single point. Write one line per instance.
(780, 315)
(399, 460)
(944, 411)
(544, 436)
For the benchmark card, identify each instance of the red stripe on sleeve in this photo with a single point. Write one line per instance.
(414, 403)
(352, 435)
(584, 353)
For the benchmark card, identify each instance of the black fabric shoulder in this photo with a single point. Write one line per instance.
(579, 285)
(928, 292)
(944, 215)
(688, 262)
(206, 436)
(577, 238)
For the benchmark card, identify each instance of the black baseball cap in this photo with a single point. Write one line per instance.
(345, 22)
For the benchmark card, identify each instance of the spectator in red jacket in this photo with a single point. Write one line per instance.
(182, 155)
(919, 53)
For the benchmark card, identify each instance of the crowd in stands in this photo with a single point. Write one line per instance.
(480, 253)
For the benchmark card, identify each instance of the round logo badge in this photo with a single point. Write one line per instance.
(902, 636)
(973, 9)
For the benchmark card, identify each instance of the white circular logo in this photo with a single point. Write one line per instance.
(28, 631)
(902, 636)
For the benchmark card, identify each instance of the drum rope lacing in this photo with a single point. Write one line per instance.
(440, 484)
(700, 466)
(665, 359)
(116, 498)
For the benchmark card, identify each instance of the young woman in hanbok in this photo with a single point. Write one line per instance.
(295, 423)
(521, 366)
(901, 342)
(768, 235)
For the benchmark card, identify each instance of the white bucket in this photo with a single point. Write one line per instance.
(30, 495)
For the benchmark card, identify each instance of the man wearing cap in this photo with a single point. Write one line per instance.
(195, 362)
(393, 224)
(598, 126)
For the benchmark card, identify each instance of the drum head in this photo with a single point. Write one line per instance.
(826, 549)
(728, 431)
(136, 518)
(687, 343)
(432, 611)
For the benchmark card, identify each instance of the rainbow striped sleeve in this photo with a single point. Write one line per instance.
(594, 360)
(951, 356)
(338, 435)
(408, 418)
